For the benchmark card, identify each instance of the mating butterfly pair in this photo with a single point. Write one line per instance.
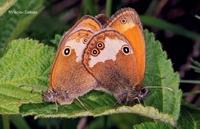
(100, 54)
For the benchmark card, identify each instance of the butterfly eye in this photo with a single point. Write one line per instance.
(126, 49)
(100, 45)
(95, 52)
(67, 51)
(123, 20)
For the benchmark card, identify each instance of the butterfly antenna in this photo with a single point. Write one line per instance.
(56, 106)
(82, 105)
(197, 16)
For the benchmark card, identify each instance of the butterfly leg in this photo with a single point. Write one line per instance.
(121, 97)
(132, 101)
(61, 97)
(56, 106)
(135, 96)
(143, 93)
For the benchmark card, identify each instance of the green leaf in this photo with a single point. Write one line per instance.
(5, 122)
(126, 121)
(56, 39)
(25, 67)
(24, 75)
(152, 125)
(19, 122)
(189, 118)
(161, 76)
(164, 25)
(5, 5)
(100, 123)
(94, 108)
(89, 7)
(16, 20)
(38, 28)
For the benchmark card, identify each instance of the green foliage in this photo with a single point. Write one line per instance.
(160, 74)
(23, 69)
(24, 73)
(38, 28)
(25, 66)
(89, 7)
(196, 66)
(19, 122)
(5, 5)
(164, 25)
(56, 39)
(16, 20)
(5, 121)
(189, 118)
(152, 125)
(126, 121)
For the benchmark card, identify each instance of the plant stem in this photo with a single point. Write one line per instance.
(108, 7)
(152, 7)
(191, 93)
(190, 81)
(19, 122)
(105, 121)
(5, 121)
(164, 25)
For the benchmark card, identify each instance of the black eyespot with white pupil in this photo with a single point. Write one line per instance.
(123, 20)
(125, 49)
(100, 45)
(95, 52)
(67, 51)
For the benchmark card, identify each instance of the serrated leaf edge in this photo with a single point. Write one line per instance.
(138, 109)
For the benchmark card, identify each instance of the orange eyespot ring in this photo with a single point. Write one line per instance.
(125, 49)
(123, 20)
(66, 51)
(100, 45)
(95, 52)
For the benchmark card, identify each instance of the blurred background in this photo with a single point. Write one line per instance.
(175, 23)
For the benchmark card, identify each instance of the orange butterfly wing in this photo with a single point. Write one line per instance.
(127, 22)
(110, 59)
(69, 78)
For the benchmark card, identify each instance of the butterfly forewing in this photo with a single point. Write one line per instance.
(127, 22)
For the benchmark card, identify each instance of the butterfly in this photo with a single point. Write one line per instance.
(69, 78)
(112, 59)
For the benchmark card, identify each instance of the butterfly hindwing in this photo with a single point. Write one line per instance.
(110, 59)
